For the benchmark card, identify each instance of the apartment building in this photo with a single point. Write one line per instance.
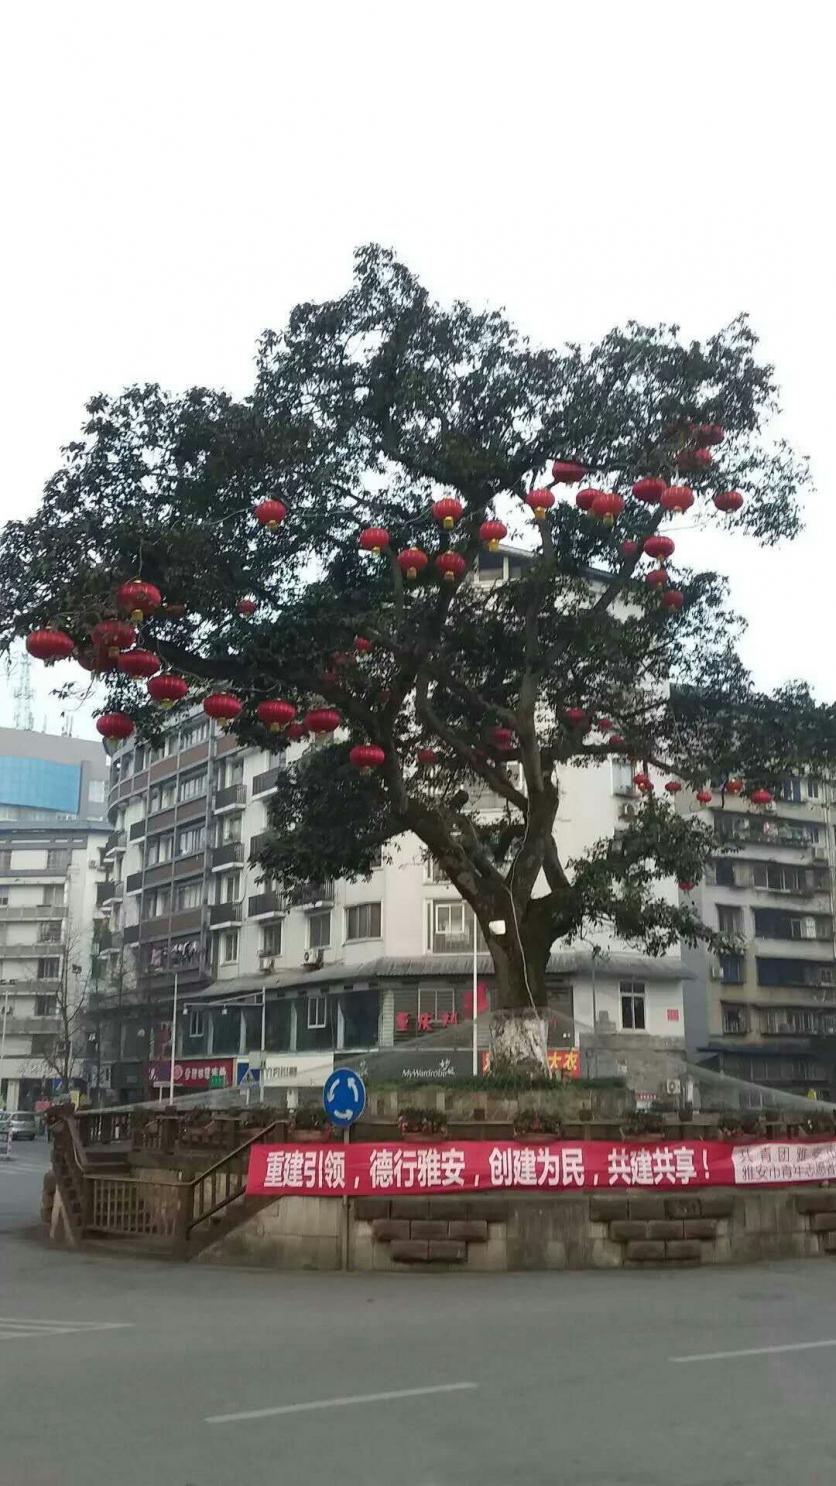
(52, 827)
(346, 968)
(765, 1011)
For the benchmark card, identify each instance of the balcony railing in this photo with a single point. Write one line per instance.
(309, 894)
(258, 843)
(35, 911)
(231, 854)
(115, 843)
(266, 783)
(223, 915)
(114, 894)
(133, 882)
(234, 797)
(130, 935)
(266, 905)
(137, 831)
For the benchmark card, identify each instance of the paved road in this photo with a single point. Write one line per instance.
(111, 1368)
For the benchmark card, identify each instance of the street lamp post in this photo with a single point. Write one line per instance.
(263, 1041)
(173, 1043)
(3, 1041)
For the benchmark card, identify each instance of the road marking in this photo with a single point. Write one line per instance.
(754, 1351)
(340, 1403)
(20, 1328)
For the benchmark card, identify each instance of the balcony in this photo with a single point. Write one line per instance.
(312, 894)
(114, 894)
(115, 843)
(224, 915)
(231, 854)
(258, 843)
(266, 783)
(130, 935)
(43, 949)
(133, 882)
(137, 831)
(27, 913)
(234, 797)
(266, 905)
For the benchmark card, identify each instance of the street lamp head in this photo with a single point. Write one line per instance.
(497, 926)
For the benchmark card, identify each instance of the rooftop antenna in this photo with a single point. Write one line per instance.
(22, 693)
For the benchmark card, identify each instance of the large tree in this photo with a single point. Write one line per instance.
(366, 410)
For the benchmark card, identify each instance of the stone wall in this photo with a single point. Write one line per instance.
(631, 1229)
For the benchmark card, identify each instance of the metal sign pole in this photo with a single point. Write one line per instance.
(3, 1102)
(173, 1043)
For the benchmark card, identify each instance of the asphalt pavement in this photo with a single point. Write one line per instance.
(137, 1370)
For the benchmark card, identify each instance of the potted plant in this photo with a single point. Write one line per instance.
(415, 1123)
(532, 1124)
(310, 1122)
(643, 1124)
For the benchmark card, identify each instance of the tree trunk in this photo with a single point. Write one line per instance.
(519, 1019)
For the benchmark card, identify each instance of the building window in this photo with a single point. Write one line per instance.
(50, 933)
(732, 970)
(45, 1005)
(229, 829)
(52, 895)
(4, 899)
(622, 777)
(230, 946)
(432, 871)
(187, 895)
(813, 788)
(162, 797)
(735, 1020)
(57, 861)
(362, 921)
(195, 1023)
(271, 939)
(724, 873)
(790, 790)
(729, 920)
(192, 785)
(317, 1012)
(196, 733)
(190, 840)
(451, 928)
(157, 902)
(49, 969)
(229, 887)
(319, 930)
(160, 849)
(632, 1006)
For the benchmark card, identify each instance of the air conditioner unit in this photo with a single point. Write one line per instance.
(269, 966)
(313, 958)
(819, 855)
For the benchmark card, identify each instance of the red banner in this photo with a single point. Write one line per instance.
(331, 1170)
(564, 1062)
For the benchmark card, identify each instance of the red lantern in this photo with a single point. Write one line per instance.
(447, 511)
(362, 645)
(656, 578)
(138, 599)
(605, 724)
(366, 756)
(686, 887)
(540, 502)
(426, 756)
(728, 500)
(502, 738)
(607, 505)
(576, 717)
(650, 490)
(246, 607)
(411, 562)
(708, 433)
(296, 732)
(322, 720)
(222, 706)
(174, 611)
(568, 471)
(734, 787)
(452, 565)
(695, 461)
(616, 741)
(704, 796)
(167, 689)
(761, 797)
(114, 726)
(629, 548)
(139, 663)
(275, 715)
(677, 498)
(586, 498)
(492, 533)
(674, 598)
(673, 786)
(112, 636)
(660, 547)
(374, 539)
(270, 513)
(643, 783)
(49, 645)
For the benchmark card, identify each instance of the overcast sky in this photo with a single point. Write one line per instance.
(179, 175)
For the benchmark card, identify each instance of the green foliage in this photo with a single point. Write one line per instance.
(363, 410)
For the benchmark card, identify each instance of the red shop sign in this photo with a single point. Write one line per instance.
(192, 1073)
(365, 1170)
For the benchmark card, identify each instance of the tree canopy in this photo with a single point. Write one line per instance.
(365, 410)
